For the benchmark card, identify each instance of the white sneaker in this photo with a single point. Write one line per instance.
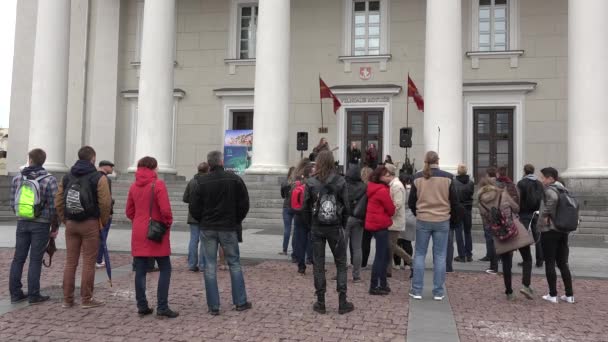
(417, 297)
(438, 298)
(550, 298)
(567, 299)
(100, 265)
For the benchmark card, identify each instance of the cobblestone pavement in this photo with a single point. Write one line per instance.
(482, 312)
(51, 276)
(282, 302)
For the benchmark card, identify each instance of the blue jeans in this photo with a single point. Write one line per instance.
(464, 240)
(103, 238)
(288, 215)
(380, 259)
(31, 236)
(164, 279)
(301, 236)
(438, 231)
(196, 252)
(229, 242)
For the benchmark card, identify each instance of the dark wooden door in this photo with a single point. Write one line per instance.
(492, 140)
(365, 128)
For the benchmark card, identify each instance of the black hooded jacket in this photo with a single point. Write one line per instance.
(354, 184)
(465, 189)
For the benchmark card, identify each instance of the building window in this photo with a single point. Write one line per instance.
(493, 25)
(248, 23)
(366, 28)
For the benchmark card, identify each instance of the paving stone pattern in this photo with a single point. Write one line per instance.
(282, 302)
(482, 312)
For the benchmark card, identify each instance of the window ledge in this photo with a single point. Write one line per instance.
(137, 64)
(232, 63)
(348, 60)
(513, 55)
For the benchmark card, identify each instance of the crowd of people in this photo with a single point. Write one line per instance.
(344, 212)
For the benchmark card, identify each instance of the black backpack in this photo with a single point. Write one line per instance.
(534, 195)
(78, 197)
(327, 209)
(566, 211)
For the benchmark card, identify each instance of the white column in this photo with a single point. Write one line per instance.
(155, 122)
(271, 97)
(443, 82)
(50, 82)
(587, 89)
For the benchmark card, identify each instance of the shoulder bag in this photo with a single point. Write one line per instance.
(156, 230)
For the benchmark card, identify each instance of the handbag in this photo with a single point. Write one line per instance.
(523, 238)
(156, 230)
(360, 208)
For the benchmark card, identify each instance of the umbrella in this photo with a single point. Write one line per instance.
(51, 248)
(106, 254)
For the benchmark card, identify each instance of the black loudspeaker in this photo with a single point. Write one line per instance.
(302, 141)
(405, 137)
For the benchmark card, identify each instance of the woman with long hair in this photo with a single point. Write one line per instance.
(321, 146)
(287, 212)
(380, 210)
(147, 200)
(354, 155)
(366, 241)
(371, 156)
(433, 200)
(328, 203)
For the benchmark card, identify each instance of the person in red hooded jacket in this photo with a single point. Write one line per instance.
(380, 209)
(147, 198)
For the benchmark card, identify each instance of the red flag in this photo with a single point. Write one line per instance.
(412, 91)
(326, 93)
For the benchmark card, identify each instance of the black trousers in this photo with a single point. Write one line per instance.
(366, 244)
(507, 264)
(556, 250)
(335, 237)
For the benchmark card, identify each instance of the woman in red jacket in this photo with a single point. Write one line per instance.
(380, 209)
(147, 198)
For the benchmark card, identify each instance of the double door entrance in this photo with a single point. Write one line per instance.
(492, 140)
(364, 127)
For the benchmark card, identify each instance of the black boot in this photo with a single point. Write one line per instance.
(319, 305)
(345, 306)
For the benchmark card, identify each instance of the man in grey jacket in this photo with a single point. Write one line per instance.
(554, 242)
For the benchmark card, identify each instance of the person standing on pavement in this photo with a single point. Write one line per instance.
(397, 192)
(354, 225)
(147, 200)
(434, 201)
(490, 178)
(408, 235)
(33, 224)
(288, 214)
(329, 207)
(83, 204)
(493, 196)
(301, 236)
(105, 168)
(465, 188)
(196, 252)
(366, 240)
(554, 242)
(220, 203)
(380, 210)
(531, 192)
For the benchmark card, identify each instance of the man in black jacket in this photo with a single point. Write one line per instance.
(327, 201)
(465, 188)
(531, 192)
(219, 202)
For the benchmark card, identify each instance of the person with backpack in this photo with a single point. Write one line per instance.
(196, 252)
(357, 198)
(297, 201)
(83, 204)
(288, 214)
(499, 211)
(397, 192)
(32, 199)
(434, 201)
(106, 168)
(378, 219)
(531, 192)
(148, 203)
(329, 207)
(465, 188)
(558, 217)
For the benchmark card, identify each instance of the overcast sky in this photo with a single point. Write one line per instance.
(7, 40)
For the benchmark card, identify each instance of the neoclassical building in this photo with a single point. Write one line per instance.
(505, 82)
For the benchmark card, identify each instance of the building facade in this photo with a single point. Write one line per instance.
(505, 82)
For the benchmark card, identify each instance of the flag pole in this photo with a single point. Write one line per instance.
(407, 102)
(321, 104)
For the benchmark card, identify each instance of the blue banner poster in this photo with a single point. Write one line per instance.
(237, 150)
